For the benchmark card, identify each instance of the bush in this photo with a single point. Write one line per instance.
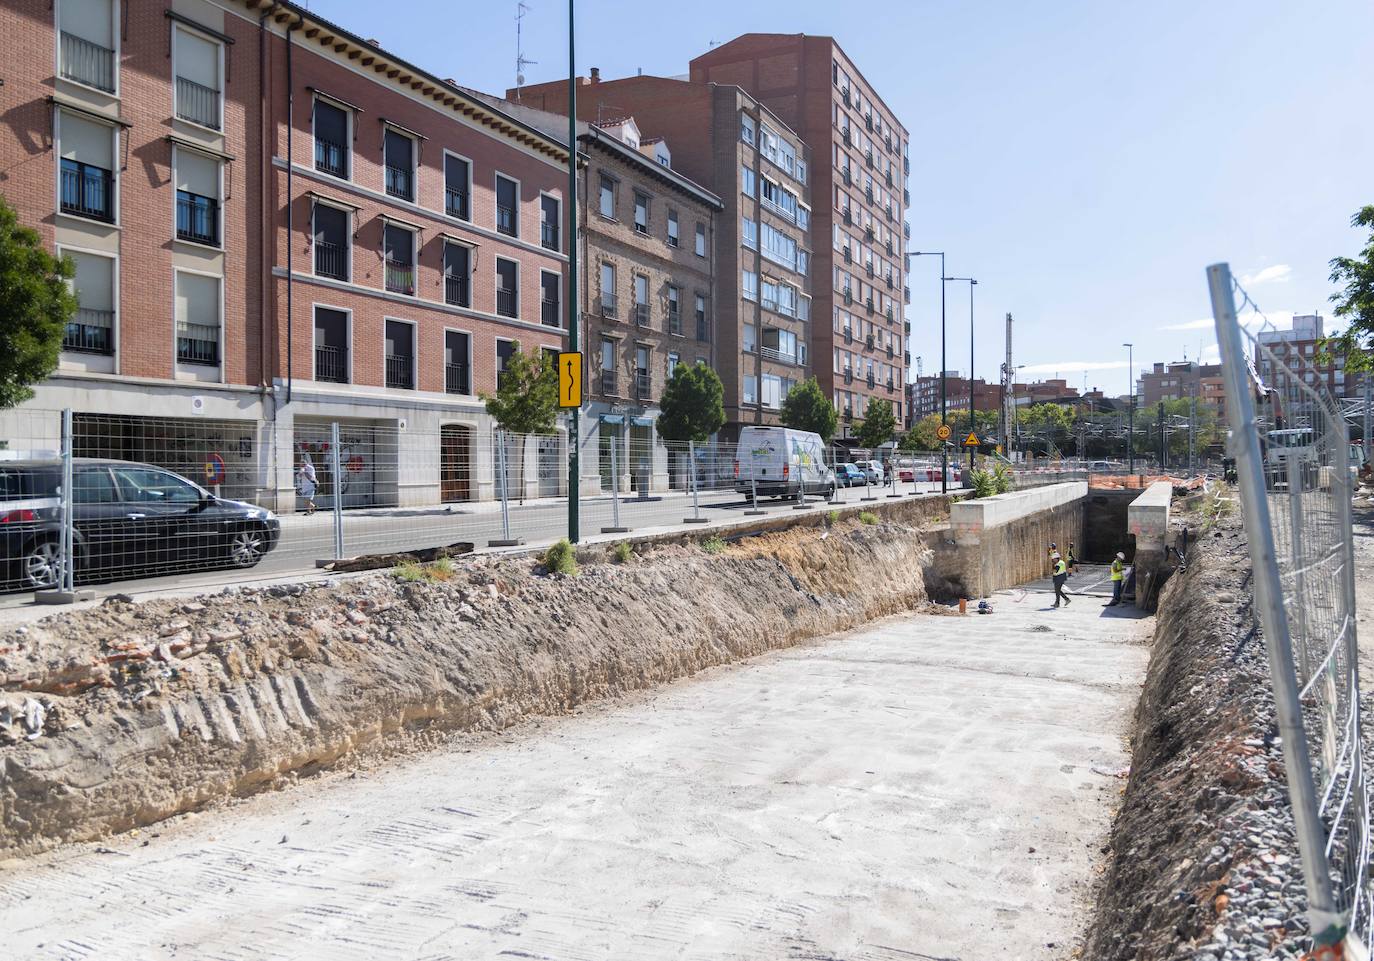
(410, 572)
(441, 570)
(984, 484)
(622, 552)
(832, 518)
(713, 545)
(868, 517)
(1002, 480)
(561, 558)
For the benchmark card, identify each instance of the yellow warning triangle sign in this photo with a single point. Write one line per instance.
(971, 440)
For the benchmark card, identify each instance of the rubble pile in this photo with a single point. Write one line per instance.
(128, 713)
(1203, 860)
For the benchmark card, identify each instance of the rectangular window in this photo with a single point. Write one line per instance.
(607, 197)
(88, 184)
(703, 324)
(331, 242)
(746, 181)
(772, 391)
(777, 150)
(607, 290)
(673, 361)
(399, 250)
(751, 389)
(549, 218)
(197, 179)
(457, 187)
(398, 152)
(746, 128)
(198, 85)
(197, 319)
(505, 349)
(749, 233)
(643, 376)
(701, 240)
(507, 287)
(457, 275)
(750, 287)
(672, 228)
(457, 372)
(331, 345)
(549, 300)
(641, 286)
(91, 329)
(400, 355)
(87, 37)
(507, 202)
(779, 247)
(674, 310)
(779, 198)
(332, 151)
(749, 341)
(641, 213)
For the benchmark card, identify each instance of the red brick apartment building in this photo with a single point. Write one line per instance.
(276, 224)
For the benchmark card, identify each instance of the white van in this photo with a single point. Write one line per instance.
(781, 462)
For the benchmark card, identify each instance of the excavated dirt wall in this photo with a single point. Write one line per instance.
(126, 714)
(1203, 862)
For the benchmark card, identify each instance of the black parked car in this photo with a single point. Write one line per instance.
(129, 518)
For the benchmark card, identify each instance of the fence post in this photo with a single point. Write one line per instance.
(505, 540)
(615, 527)
(868, 488)
(63, 590)
(696, 517)
(1240, 407)
(754, 510)
(335, 468)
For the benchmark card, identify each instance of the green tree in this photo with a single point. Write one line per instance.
(1046, 427)
(807, 408)
(879, 425)
(693, 404)
(36, 301)
(922, 435)
(526, 400)
(1355, 303)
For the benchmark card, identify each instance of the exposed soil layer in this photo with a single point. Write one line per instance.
(1203, 862)
(126, 714)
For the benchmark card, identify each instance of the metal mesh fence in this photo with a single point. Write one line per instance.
(1292, 449)
(159, 496)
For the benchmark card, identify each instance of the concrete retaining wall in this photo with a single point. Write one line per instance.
(999, 542)
(1147, 519)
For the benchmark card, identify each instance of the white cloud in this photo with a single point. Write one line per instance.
(1251, 319)
(1191, 325)
(1273, 274)
(1074, 366)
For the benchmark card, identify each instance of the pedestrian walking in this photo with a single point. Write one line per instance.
(1073, 561)
(1118, 578)
(307, 483)
(1061, 574)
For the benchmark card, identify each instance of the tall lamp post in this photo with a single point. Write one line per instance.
(944, 445)
(971, 284)
(1130, 401)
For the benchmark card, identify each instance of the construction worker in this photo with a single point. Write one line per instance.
(1073, 561)
(1118, 578)
(1061, 574)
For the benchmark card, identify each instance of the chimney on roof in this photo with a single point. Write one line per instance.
(373, 41)
(596, 74)
(450, 81)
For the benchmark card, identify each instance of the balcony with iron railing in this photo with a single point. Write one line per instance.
(456, 203)
(548, 235)
(848, 295)
(549, 314)
(400, 371)
(906, 294)
(889, 312)
(331, 157)
(197, 103)
(197, 219)
(906, 166)
(779, 356)
(872, 381)
(457, 379)
(456, 290)
(906, 231)
(90, 332)
(848, 178)
(868, 158)
(399, 183)
(848, 414)
(331, 363)
(642, 315)
(644, 385)
(87, 62)
(890, 351)
(849, 335)
(890, 385)
(87, 191)
(848, 256)
(505, 302)
(868, 341)
(770, 304)
(868, 305)
(608, 305)
(331, 260)
(848, 217)
(400, 277)
(505, 220)
(609, 387)
(906, 327)
(849, 375)
(198, 344)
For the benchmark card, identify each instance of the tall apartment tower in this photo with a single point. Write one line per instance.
(859, 165)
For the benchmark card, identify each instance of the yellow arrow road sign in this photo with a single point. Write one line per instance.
(569, 379)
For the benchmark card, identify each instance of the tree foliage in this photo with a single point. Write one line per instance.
(807, 408)
(526, 398)
(879, 425)
(693, 404)
(36, 302)
(922, 435)
(1355, 302)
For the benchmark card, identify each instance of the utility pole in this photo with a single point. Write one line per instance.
(1130, 430)
(1192, 432)
(1163, 451)
(1008, 401)
(575, 415)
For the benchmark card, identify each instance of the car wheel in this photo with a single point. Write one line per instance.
(42, 564)
(246, 547)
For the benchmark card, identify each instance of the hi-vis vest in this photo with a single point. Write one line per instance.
(1117, 570)
(1060, 567)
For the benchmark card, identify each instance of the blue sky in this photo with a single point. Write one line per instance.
(1084, 160)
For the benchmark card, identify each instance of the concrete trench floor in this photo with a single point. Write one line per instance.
(926, 787)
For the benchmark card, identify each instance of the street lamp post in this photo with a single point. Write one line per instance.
(971, 284)
(1130, 429)
(944, 445)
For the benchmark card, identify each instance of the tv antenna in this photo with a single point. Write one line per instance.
(521, 62)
